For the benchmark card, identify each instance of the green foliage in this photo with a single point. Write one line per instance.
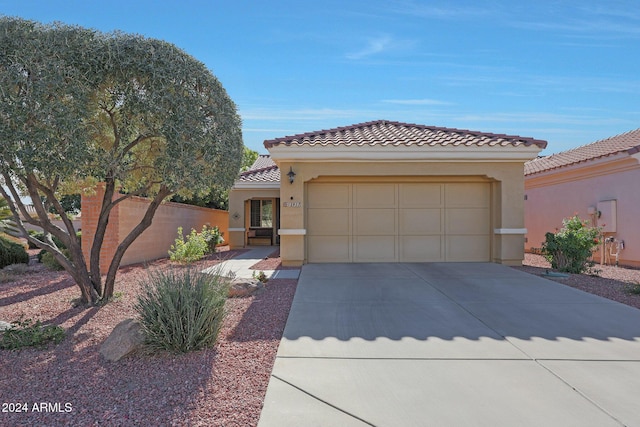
(248, 158)
(216, 198)
(182, 310)
(12, 253)
(260, 276)
(49, 260)
(196, 245)
(79, 107)
(26, 333)
(633, 288)
(7, 225)
(570, 248)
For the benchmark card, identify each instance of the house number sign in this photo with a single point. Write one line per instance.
(292, 204)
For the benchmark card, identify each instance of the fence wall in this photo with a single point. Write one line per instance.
(155, 241)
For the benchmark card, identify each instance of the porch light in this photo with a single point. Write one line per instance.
(291, 174)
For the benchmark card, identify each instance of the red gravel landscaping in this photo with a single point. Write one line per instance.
(221, 386)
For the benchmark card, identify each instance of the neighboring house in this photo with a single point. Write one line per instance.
(386, 192)
(600, 182)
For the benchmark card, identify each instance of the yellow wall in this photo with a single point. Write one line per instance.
(239, 211)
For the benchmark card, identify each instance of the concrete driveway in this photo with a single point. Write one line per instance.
(452, 345)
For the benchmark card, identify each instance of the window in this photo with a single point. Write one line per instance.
(262, 213)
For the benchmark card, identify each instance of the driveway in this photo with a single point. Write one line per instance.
(454, 344)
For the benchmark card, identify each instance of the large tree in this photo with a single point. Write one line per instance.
(80, 107)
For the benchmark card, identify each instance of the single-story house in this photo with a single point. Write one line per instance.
(601, 183)
(386, 191)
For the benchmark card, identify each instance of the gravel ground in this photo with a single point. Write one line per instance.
(610, 282)
(271, 262)
(221, 386)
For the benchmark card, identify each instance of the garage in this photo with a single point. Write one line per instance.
(398, 221)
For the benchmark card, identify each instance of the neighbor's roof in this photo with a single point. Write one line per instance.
(627, 142)
(384, 132)
(262, 170)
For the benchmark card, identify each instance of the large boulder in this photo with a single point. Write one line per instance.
(126, 337)
(239, 287)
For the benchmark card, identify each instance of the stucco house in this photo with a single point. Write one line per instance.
(601, 183)
(386, 191)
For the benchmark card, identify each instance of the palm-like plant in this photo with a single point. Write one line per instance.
(7, 225)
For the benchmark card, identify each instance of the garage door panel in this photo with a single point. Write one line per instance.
(421, 248)
(374, 196)
(329, 248)
(423, 195)
(328, 222)
(374, 222)
(467, 194)
(329, 196)
(468, 248)
(467, 221)
(420, 221)
(374, 248)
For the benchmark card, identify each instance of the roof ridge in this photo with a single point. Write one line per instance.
(266, 168)
(286, 139)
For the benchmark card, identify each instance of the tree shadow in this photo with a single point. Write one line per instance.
(40, 291)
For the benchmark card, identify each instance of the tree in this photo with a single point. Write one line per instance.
(79, 107)
(248, 157)
(7, 226)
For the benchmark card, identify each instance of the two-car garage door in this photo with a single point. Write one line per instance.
(398, 222)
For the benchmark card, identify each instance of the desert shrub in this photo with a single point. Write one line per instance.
(39, 235)
(181, 309)
(12, 253)
(26, 333)
(570, 249)
(49, 260)
(213, 237)
(192, 248)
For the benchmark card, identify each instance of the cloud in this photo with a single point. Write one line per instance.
(373, 47)
(416, 102)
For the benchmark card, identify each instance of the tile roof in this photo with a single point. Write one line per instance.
(384, 132)
(627, 142)
(262, 170)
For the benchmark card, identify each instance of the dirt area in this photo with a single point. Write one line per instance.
(271, 262)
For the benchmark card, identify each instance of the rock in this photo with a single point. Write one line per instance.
(244, 287)
(126, 337)
(5, 325)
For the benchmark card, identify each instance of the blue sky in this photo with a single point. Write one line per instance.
(564, 71)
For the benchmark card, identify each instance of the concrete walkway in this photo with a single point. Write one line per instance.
(452, 345)
(240, 266)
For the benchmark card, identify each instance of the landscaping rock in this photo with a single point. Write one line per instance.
(244, 287)
(5, 325)
(126, 337)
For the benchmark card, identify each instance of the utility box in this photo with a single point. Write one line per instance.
(607, 216)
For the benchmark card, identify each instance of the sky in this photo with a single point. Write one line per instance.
(567, 72)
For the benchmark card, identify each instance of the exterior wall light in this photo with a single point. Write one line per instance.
(291, 174)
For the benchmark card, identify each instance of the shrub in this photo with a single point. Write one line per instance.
(213, 237)
(181, 309)
(29, 334)
(12, 253)
(49, 260)
(196, 245)
(570, 248)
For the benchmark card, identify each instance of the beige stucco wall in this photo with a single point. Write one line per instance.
(239, 211)
(506, 201)
(156, 241)
(561, 193)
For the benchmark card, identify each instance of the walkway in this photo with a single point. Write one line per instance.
(452, 345)
(239, 266)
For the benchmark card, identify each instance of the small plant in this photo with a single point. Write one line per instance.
(570, 248)
(188, 250)
(12, 253)
(26, 333)
(260, 276)
(213, 237)
(633, 288)
(181, 310)
(49, 260)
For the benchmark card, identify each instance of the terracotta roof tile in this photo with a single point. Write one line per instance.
(263, 170)
(384, 132)
(627, 142)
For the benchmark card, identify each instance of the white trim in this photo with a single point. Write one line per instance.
(236, 229)
(510, 231)
(292, 232)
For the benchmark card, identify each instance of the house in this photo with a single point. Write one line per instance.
(601, 183)
(386, 191)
